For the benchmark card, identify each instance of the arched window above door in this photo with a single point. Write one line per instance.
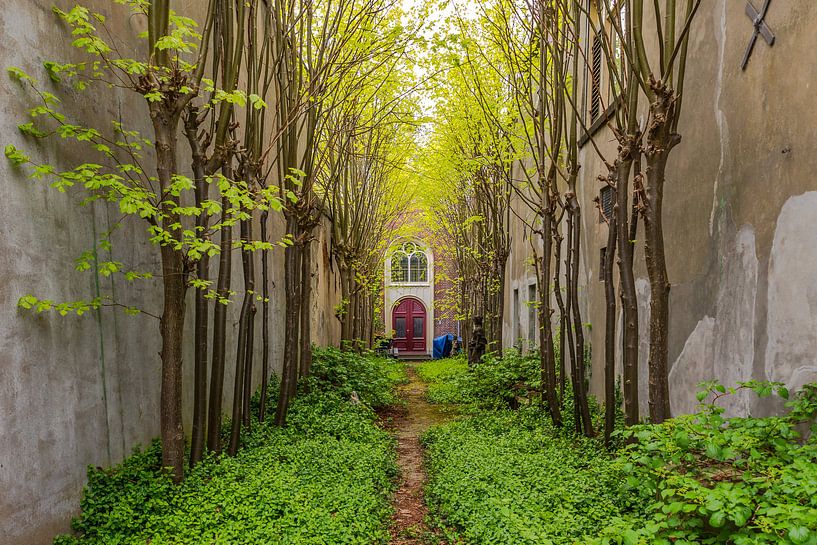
(409, 264)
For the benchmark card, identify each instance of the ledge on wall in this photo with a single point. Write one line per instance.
(598, 123)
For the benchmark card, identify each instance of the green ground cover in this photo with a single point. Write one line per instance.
(506, 476)
(324, 479)
(496, 383)
(503, 477)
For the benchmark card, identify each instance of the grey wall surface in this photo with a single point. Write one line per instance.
(79, 391)
(740, 207)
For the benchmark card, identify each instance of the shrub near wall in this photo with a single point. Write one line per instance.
(326, 478)
(507, 477)
(706, 479)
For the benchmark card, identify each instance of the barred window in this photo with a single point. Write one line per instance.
(606, 203)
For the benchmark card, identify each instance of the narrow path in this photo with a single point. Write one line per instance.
(410, 510)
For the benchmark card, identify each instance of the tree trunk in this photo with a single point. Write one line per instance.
(610, 334)
(660, 141)
(346, 294)
(249, 264)
(499, 307)
(584, 407)
(174, 287)
(244, 324)
(629, 300)
(571, 330)
(659, 291)
(305, 362)
(545, 332)
(289, 375)
(202, 305)
(214, 413)
(557, 290)
(265, 344)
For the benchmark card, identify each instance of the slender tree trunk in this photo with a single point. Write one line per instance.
(370, 320)
(545, 331)
(659, 292)
(557, 290)
(249, 265)
(246, 418)
(584, 407)
(571, 330)
(289, 374)
(361, 319)
(202, 305)
(305, 363)
(500, 305)
(610, 334)
(298, 336)
(354, 313)
(220, 329)
(346, 298)
(174, 288)
(660, 141)
(629, 301)
(244, 324)
(265, 340)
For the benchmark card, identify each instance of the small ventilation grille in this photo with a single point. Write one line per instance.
(606, 202)
(595, 92)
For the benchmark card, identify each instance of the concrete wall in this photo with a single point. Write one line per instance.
(519, 325)
(741, 200)
(326, 289)
(79, 391)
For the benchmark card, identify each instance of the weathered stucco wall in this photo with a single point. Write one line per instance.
(740, 204)
(519, 320)
(79, 391)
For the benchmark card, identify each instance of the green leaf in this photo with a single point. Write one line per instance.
(799, 535)
(16, 157)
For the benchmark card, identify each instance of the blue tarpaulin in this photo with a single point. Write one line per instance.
(442, 346)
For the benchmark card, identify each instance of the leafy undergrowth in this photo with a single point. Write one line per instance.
(325, 478)
(508, 477)
(504, 478)
(443, 378)
(493, 384)
(711, 480)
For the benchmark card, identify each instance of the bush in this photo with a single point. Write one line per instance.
(497, 382)
(504, 477)
(707, 479)
(371, 377)
(325, 478)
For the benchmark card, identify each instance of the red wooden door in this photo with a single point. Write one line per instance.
(409, 325)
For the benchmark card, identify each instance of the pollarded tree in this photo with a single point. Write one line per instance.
(662, 81)
(620, 29)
